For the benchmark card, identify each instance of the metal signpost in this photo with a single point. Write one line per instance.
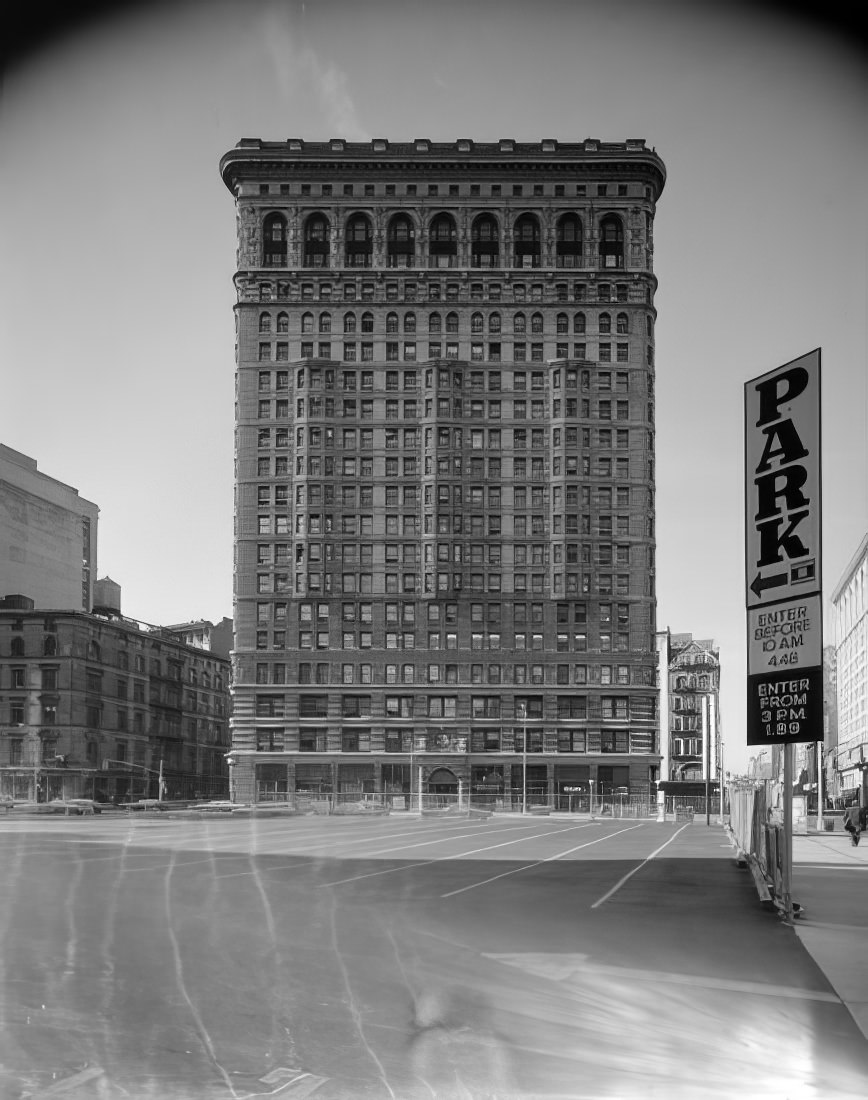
(783, 576)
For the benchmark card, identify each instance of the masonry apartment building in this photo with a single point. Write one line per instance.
(444, 515)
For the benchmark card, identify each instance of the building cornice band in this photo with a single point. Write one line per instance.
(254, 157)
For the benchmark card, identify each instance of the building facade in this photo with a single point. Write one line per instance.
(690, 700)
(49, 536)
(101, 707)
(850, 610)
(203, 634)
(444, 528)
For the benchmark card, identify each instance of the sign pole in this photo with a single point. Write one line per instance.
(787, 834)
(783, 574)
(821, 794)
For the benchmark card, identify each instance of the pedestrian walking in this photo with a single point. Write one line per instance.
(855, 822)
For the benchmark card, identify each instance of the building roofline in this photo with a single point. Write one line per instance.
(133, 626)
(382, 154)
(850, 569)
(25, 462)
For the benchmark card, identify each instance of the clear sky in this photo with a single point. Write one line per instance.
(118, 245)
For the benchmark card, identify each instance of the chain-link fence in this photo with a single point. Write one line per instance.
(509, 801)
(758, 836)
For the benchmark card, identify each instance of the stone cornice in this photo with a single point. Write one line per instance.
(256, 159)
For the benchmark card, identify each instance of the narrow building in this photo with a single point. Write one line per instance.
(850, 616)
(690, 715)
(444, 512)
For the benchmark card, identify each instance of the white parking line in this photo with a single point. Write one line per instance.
(460, 855)
(326, 841)
(639, 867)
(530, 866)
(461, 836)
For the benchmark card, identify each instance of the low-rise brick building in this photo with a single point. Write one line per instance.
(102, 706)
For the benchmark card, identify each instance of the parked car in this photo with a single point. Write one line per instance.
(70, 806)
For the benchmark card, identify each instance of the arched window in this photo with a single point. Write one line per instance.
(611, 242)
(317, 241)
(349, 322)
(451, 322)
(536, 322)
(358, 242)
(93, 653)
(605, 323)
(569, 241)
(307, 322)
(283, 322)
(391, 322)
(519, 324)
(476, 324)
(49, 646)
(526, 242)
(325, 322)
(274, 241)
(622, 323)
(435, 323)
(410, 322)
(17, 647)
(579, 324)
(494, 323)
(265, 322)
(562, 324)
(401, 242)
(367, 322)
(485, 242)
(442, 242)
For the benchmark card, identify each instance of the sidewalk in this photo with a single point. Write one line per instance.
(830, 879)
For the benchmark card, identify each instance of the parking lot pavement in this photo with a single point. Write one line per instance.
(404, 959)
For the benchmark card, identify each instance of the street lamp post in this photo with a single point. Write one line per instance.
(161, 786)
(820, 793)
(523, 716)
(412, 759)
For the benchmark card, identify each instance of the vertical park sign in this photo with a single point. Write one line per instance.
(783, 554)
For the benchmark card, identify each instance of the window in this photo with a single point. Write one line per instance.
(274, 241)
(569, 241)
(611, 242)
(442, 242)
(313, 706)
(317, 241)
(400, 242)
(485, 242)
(526, 242)
(358, 242)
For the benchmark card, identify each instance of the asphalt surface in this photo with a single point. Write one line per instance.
(403, 958)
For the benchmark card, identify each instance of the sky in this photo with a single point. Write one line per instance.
(118, 245)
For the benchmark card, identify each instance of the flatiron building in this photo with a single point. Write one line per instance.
(444, 510)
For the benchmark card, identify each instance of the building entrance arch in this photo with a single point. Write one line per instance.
(442, 781)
